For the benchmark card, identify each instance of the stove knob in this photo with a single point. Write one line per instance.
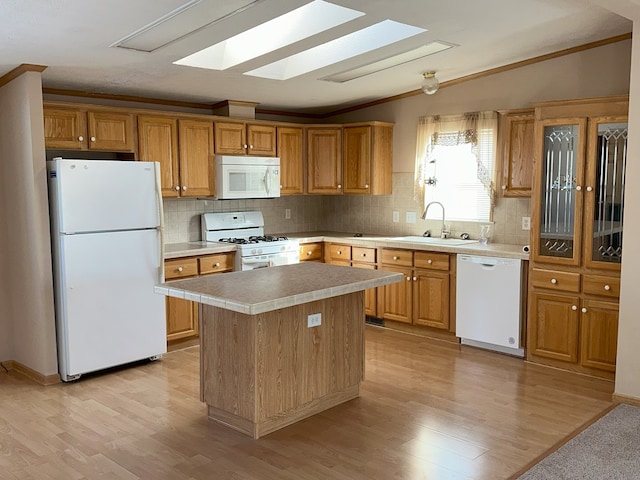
(254, 251)
(260, 251)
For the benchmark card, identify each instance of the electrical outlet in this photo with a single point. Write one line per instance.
(314, 320)
(396, 217)
(411, 217)
(287, 214)
(526, 223)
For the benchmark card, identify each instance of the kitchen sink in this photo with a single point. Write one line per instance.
(433, 240)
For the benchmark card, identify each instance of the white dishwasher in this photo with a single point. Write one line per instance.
(488, 303)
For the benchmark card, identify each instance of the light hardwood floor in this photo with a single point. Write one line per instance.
(428, 410)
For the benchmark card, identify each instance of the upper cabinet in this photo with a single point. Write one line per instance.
(290, 152)
(79, 129)
(516, 150)
(240, 138)
(324, 160)
(354, 159)
(184, 148)
(367, 154)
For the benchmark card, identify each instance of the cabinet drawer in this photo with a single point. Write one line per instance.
(221, 262)
(555, 280)
(432, 260)
(363, 255)
(601, 285)
(310, 251)
(390, 256)
(180, 268)
(339, 252)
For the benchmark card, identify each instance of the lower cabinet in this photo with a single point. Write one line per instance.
(431, 299)
(554, 329)
(182, 315)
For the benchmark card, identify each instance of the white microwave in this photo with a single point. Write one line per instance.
(247, 177)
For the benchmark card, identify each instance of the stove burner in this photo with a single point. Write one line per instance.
(239, 241)
(266, 238)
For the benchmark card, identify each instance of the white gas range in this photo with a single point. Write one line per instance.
(246, 231)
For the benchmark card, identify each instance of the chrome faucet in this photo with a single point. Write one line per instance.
(444, 231)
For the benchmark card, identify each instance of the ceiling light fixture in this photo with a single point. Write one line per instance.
(430, 84)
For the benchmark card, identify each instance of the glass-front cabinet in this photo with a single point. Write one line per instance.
(575, 181)
(562, 158)
(604, 193)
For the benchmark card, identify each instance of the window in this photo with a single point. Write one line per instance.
(455, 165)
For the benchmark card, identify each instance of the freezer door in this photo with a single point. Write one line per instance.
(107, 311)
(103, 195)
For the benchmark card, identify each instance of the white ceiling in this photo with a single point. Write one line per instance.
(73, 37)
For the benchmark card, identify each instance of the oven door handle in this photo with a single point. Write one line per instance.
(267, 180)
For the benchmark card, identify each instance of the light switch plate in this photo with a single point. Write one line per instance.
(411, 217)
(287, 213)
(396, 217)
(314, 320)
(526, 223)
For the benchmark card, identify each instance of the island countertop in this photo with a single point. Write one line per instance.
(266, 289)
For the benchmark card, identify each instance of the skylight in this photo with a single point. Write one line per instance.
(356, 43)
(296, 25)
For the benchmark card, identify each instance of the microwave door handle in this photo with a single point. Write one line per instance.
(267, 180)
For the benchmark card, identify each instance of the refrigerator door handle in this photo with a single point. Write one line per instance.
(160, 222)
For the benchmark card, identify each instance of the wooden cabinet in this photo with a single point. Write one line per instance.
(365, 257)
(425, 296)
(182, 315)
(367, 154)
(577, 216)
(324, 160)
(241, 138)
(290, 152)
(516, 150)
(337, 254)
(184, 148)
(75, 128)
(312, 252)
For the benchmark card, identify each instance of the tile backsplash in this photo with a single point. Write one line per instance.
(348, 213)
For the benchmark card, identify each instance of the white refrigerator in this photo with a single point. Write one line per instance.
(106, 225)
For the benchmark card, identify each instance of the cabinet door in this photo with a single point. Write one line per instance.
(394, 301)
(517, 147)
(230, 138)
(553, 326)
(324, 160)
(182, 318)
(64, 129)
(291, 160)
(196, 158)
(158, 142)
(431, 299)
(557, 217)
(110, 131)
(261, 140)
(370, 295)
(356, 151)
(604, 192)
(599, 335)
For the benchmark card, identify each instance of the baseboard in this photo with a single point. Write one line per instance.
(31, 374)
(628, 399)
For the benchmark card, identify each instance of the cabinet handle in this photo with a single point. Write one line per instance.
(280, 187)
(607, 288)
(244, 146)
(93, 139)
(583, 310)
(309, 252)
(429, 261)
(408, 279)
(574, 307)
(184, 187)
(339, 186)
(363, 254)
(179, 269)
(395, 258)
(250, 146)
(177, 187)
(366, 185)
(80, 138)
(589, 189)
(578, 188)
(415, 278)
(339, 252)
(554, 281)
(504, 187)
(217, 264)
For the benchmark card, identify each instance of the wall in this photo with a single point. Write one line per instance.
(571, 76)
(27, 317)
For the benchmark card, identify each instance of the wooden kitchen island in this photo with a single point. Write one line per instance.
(263, 363)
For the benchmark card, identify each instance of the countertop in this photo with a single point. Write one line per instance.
(266, 289)
(177, 250)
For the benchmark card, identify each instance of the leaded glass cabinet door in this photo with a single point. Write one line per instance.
(558, 219)
(604, 192)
